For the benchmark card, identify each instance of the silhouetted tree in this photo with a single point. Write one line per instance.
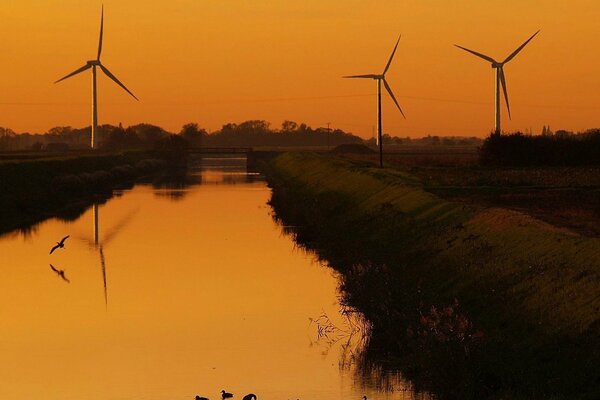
(289, 126)
(148, 134)
(173, 149)
(6, 137)
(117, 138)
(193, 134)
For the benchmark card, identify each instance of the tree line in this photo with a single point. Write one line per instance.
(562, 148)
(253, 133)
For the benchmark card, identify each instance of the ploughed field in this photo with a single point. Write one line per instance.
(567, 197)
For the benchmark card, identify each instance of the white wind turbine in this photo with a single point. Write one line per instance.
(500, 78)
(93, 64)
(379, 79)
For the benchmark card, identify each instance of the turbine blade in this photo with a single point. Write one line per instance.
(114, 78)
(503, 81)
(101, 33)
(389, 89)
(490, 59)
(392, 56)
(87, 66)
(371, 76)
(514, 53)
(103, 265)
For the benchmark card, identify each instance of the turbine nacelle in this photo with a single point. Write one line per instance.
(497, 65)
(93, 62)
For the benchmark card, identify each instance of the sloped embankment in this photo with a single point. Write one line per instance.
(468, 301)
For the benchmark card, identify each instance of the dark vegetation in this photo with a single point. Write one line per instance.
(33, 190)
(253, 133)
(559, 149)
(428, 140)
(467, 302)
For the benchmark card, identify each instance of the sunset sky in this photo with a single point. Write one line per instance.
(220, 61)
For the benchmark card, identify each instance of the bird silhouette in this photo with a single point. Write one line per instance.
(59, 245)
(249, 396)
(60, 273)
(225, 395)
(200, 398)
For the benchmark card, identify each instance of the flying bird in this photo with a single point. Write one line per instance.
(60, 273)
(249, 396)
(59, 245)
(226, 395)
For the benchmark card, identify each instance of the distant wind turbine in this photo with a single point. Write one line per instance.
(93, 64)
(379, 79)
(500, 78)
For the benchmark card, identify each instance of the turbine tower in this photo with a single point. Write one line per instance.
(93, 64)
(381, 78)
(500, 78)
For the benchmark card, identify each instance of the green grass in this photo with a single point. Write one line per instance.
(531, 288)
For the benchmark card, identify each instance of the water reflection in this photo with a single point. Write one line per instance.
(60, 273)
(368, 364)
(206, 171)
(350, 343)
(98, 245)
(205, 294)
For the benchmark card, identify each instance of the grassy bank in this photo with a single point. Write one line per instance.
(32, 190)
(469, 302)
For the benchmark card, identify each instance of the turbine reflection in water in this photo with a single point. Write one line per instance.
(98, 245)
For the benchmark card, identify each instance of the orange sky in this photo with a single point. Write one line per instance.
(216, 61)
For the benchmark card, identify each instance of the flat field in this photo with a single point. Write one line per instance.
(568, 197)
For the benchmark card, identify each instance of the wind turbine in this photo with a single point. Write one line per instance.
(93, 64)
(381, 78)
(500, 78)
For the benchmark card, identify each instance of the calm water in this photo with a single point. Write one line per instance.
(203, 292)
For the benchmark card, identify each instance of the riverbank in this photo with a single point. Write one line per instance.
(468, 301)
(32, 190)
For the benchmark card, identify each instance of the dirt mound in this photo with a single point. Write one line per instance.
(352, 149)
